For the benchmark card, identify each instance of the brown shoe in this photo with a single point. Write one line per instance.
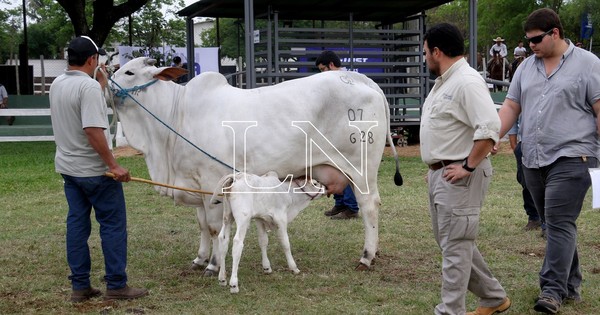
(335, 210)
(492, 310)
(345, 215)
(532, 225)
(78, 296)
(126, 293)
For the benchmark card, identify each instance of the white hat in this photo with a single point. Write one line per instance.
(499, 39)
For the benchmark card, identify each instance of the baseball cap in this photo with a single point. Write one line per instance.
(84, 47)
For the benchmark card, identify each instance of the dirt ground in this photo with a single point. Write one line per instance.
(408, 151)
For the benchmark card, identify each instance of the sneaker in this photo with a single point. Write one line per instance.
(492, 310)
(546, 304)
(532, 225)
(345, 215)
(126, 293)
(78, 296)
(335, 210)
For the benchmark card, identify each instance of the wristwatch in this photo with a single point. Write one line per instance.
(466, 166)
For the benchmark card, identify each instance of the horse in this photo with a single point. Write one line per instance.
(516, 63)
(495, 69)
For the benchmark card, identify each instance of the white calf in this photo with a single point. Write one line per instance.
(273, 203)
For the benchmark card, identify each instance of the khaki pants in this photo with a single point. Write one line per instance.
(455, 212)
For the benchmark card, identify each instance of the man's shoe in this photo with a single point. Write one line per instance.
(335, 210)
(10, 120)
(532, 225)
(78, 296)
(126, 293)
(345, 215)
(546, 304)
(492, 310)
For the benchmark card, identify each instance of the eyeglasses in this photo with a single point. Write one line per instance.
(538, 39)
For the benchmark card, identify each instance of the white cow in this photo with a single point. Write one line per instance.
(335, 118)
(272, 203)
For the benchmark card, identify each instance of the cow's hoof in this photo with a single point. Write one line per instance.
(223, 283)
(209, 273)
(196, 266)
(296, 271)
(234, 289)
(267, 271)
(361, 267)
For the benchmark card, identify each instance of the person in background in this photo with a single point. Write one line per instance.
(499, 48)
(4, 104)
(534, 222)
(559, 123)
(520, 53)
(345, 206)
(80, 125)
(177, 62)
(459, 127)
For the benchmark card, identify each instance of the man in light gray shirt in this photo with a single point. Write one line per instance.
(557, 92)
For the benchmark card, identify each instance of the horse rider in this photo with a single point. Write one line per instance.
(499, 48)
(519, 54)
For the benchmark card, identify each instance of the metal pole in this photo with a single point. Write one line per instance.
(351, 39)
(473, 34)
(191, 60)
(249, 28)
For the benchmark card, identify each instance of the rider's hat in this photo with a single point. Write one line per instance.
(499, 39)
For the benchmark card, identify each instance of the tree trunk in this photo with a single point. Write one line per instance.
(105, 16)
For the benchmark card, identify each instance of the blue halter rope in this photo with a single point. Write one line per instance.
(124, 93)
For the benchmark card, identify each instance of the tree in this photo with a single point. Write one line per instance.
(103, 17)
(10, 23)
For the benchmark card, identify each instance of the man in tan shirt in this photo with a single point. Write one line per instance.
(459, 127)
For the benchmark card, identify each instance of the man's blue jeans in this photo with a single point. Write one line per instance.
(528, 203)
(347, 199)
(106, 196)
(558, 191)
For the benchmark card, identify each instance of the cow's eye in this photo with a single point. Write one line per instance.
(128, 72)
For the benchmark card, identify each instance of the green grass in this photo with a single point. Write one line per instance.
(405, 278)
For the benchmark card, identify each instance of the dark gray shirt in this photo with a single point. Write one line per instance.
(557, 115)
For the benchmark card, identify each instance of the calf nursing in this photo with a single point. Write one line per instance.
(272, 203)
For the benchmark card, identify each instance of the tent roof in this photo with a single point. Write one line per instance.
(386, 11)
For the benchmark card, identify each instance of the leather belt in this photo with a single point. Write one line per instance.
(440, 164)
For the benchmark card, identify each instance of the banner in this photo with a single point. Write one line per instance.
(586, 26)
(206, 58)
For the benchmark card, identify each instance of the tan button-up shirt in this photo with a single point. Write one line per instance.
(457, 111)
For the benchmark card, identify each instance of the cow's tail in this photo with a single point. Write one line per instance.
(224, 183)
(397, 177)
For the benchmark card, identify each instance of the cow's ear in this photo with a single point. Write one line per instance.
(171, 73)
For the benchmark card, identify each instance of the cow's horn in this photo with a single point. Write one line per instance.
(151, 61)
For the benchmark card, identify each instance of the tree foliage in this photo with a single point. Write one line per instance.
(52, 24)
(505, 18)
(105, 14)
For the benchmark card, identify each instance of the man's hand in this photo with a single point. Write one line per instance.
(101, 76)
(121, 174)
(495, 148)
(455, 172)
